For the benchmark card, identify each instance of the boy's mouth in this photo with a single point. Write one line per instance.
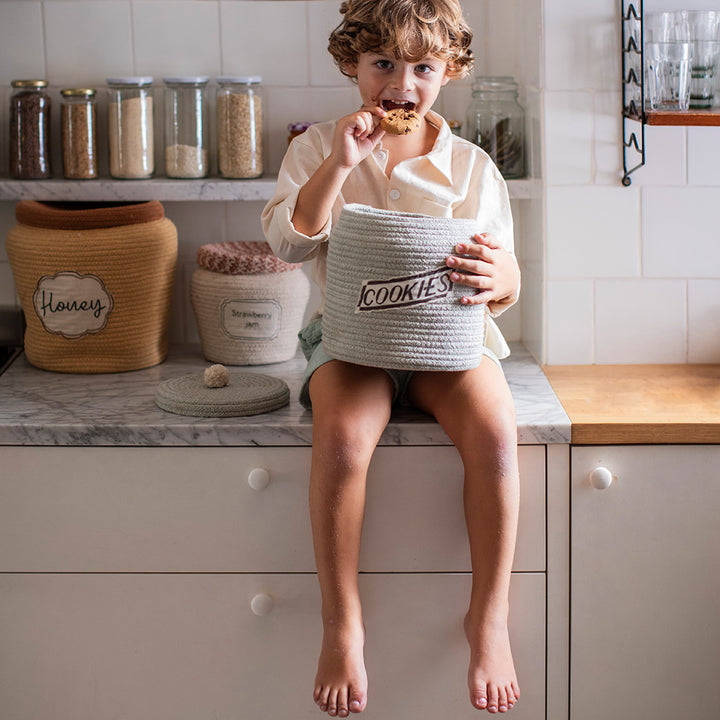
(398, 105)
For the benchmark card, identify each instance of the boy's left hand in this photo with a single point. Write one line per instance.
(488, 267)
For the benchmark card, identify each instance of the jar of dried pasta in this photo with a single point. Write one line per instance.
(78, 120)
(29, 130)
(130, 127)
(239, 126)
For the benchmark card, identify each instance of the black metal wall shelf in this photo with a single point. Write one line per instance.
(633, 94)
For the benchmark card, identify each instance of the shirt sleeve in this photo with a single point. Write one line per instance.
(303, 157)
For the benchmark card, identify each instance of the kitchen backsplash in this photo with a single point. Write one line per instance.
(610, 274)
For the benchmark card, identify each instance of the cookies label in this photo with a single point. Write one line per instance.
(251, 319)
(404, 291)
(72, 305)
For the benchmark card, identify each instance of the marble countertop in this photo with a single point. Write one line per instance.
(38, 407)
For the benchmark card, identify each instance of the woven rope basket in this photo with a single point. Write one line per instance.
(95, 282)
(251, 311)
(389, 300)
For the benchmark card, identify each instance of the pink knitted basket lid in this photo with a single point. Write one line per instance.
(242, 258)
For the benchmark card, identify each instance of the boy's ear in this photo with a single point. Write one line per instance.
(350, 69)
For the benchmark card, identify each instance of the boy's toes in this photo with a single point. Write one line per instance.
(356, 702)
(342, 706)
(478, 697)
(493, 704)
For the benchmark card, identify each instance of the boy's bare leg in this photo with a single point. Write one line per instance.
(351, 407)
(476, 410)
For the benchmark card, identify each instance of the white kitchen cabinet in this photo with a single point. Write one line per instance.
(645, 583)
(127, 579)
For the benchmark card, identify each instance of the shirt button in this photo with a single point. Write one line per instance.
(394, 194)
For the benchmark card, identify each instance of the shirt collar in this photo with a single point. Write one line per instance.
(441, 154)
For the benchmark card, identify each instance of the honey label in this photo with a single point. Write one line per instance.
(72, 305)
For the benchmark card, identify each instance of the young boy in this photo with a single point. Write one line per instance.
(401, 53)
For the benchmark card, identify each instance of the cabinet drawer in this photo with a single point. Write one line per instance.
(182, 647)
(193, 510)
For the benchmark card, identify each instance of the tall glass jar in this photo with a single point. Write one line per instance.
(130, 127)
(78, 122)
(186, 127)
(496, 122)
(29, 130)
(239, 127)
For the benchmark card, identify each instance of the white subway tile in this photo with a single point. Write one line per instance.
(570, 322)
(267, 39)
(582, 45)
(176, 38)
(22, 53)
(593, 232)
(704, 321)
(703, 148)
(87, 42)
(198, 223)
(323, 17)
(640, 321)
(607, 138)
(568, 138)
(680, 233)
(665, 157)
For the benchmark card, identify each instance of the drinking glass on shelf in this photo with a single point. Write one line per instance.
(668, 74)
(666, 27)
(705, 37)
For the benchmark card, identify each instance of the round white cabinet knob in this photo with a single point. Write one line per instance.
(261, 604)
(258, 478)
(601, 478)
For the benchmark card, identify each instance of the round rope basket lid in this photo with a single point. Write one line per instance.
(244, 394)
(242, 258)
(389, 300)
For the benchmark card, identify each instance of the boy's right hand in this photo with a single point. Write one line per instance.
(357, 135)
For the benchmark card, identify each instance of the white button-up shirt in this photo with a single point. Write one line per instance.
(455, 179)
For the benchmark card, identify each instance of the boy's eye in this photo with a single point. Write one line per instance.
(384, 64)
(424, 69)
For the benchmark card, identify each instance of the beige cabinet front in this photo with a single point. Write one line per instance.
(645, 583)
(183, 647)
(73, 509)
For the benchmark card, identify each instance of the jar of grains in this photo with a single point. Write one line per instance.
(239, 127)
(29, 130)
(186, 127)
(78, 121)
(130, 127)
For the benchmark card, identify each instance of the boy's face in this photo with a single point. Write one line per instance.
(388, 82)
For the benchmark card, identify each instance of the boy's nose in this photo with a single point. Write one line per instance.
(402, 79)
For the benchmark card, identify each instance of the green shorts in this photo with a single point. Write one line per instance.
(312, 347)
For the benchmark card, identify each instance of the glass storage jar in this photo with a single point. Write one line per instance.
(496, 122)
(78, 121)
(239, 127)
(186, 127)
(29, 130)
(130, 127)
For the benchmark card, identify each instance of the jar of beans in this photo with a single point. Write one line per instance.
(186, 127)
(78, 121)
(239, 127)
(130, 127)
(29, 130)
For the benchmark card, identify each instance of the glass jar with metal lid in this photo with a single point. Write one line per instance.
(78, 123)
(496, 122)
(186, 127)
(240, 126)
(29, 130)
(130, 127)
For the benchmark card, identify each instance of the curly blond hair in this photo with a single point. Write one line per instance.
(404, 29)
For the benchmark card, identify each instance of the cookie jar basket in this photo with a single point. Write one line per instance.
(389, 300)
(95, 281)
(249, 305)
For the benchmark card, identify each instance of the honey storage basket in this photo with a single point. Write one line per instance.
(249, 304)
(95, 281)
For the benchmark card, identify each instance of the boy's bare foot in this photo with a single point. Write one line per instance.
(341, 680)
(491, 677)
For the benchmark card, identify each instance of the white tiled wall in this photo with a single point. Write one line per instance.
(82, 42)
(632, 274)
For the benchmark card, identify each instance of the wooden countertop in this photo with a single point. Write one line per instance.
(638, 404)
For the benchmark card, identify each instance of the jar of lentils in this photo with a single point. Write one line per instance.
(29, 130)
(239, 127)
(78, 122)
(186, 127)
(130, 127)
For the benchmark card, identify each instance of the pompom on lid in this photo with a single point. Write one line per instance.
(242, 258)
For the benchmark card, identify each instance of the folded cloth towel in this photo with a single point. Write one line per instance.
(390, 301)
